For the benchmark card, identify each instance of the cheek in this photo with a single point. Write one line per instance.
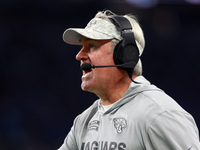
(104, 59)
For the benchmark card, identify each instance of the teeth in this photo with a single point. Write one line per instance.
(84, 73)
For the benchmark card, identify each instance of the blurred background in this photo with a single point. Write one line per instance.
(40, 92)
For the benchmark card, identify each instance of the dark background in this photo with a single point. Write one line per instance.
(40, 92)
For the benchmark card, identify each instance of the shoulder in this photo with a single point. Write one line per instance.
(152, 104)
(173, 129)
(158, 113)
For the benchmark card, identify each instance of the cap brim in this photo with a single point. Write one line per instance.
(73, 35)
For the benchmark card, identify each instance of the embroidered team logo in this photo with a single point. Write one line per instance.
(120, 124)
(94, 125)
(92, 22)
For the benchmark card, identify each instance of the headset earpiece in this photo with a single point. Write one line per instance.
(126, 51)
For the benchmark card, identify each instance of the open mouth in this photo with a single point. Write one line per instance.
(86, 67)
(86, 71)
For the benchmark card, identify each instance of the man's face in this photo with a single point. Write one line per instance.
(98, 53)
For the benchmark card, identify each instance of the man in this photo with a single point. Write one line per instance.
(130, 113)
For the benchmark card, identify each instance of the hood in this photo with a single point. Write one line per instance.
(133, 90)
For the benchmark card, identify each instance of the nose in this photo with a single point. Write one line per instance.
(82, 54)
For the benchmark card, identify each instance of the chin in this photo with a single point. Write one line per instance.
(88, 87)
(85, 86)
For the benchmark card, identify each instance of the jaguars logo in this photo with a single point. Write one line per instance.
(120, 124)
(92, 22)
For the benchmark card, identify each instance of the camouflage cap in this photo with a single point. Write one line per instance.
(97, 29)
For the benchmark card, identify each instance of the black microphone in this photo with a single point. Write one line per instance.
(88, 66)
(126, 66)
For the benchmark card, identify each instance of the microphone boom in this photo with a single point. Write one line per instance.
(88, 66)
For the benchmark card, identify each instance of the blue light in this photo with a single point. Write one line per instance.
(143, 3)
(193, 1)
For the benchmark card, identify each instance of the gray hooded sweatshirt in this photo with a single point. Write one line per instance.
(145, 118)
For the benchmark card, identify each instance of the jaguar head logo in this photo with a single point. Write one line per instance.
(120, 124)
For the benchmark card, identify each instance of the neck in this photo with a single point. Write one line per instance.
(115, 92)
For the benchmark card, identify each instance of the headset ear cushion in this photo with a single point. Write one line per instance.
(118, 54)
(126, 54)
(130, 54)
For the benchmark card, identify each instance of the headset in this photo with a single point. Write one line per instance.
(126, 52)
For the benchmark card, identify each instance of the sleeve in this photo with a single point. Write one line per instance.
(173, 131)
(70, 140)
